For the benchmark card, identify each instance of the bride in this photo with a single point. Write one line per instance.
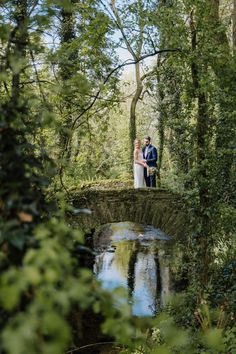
(139, 164)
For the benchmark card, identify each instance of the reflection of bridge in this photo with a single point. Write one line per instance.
(160, 208)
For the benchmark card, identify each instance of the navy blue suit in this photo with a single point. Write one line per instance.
(151, 159)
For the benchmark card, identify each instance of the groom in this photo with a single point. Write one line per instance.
(150, 156)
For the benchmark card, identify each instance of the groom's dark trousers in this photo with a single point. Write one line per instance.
(151, 159)
(150, 180)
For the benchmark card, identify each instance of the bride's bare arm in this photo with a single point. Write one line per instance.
(136, 160)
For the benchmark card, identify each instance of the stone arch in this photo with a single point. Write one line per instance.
(156, 207)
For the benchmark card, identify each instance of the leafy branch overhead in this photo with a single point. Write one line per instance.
(79, 81)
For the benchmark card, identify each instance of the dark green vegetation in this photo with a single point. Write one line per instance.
(67, 116)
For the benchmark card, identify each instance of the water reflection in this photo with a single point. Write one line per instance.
(133, 257)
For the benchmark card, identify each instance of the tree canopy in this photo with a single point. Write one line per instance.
(70, 110)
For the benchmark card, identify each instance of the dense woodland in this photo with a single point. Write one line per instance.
(70, 111)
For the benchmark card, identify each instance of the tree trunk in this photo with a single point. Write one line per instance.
(132, 120)
(20, 40)
(224, 67)
(16, 156)
(161, 134)
(203, 256)
(67, 33)
(139, 86)
(234, 26)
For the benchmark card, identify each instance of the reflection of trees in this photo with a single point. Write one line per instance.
(140, 264)
(131, 268)
(165, 277)
(146, 278)
(103, 261)
(123, 253)
(158, 282)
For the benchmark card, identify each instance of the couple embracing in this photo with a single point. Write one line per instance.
(145, 164)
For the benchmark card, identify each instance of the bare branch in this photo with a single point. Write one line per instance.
(6, 88)
(150, 73)
(86, 109)
(143, 94)
(37, 77)
(36, 81)
(116, 18)
(126, 63)
(33, 7)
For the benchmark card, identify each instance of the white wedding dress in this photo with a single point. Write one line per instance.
(139, 181)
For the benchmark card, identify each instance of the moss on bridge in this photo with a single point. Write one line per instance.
(157, 207)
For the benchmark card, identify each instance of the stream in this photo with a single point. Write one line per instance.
(134, 257)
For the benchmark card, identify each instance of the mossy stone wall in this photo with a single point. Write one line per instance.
(157, 207)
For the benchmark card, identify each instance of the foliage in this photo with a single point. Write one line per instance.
(64, 125)
(47, 287)
(165, 337)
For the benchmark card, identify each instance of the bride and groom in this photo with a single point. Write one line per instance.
(145, 164)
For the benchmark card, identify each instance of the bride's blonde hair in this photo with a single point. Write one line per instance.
(137, 141)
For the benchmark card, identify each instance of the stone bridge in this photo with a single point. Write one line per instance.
(157, 207)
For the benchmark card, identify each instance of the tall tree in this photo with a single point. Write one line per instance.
(21, 195)
(67, 65)
(208, 135)
(135, 48)
(234, 24)
(87, 89)
(224, 68)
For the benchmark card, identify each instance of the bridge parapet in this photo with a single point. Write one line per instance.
(157, 207)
